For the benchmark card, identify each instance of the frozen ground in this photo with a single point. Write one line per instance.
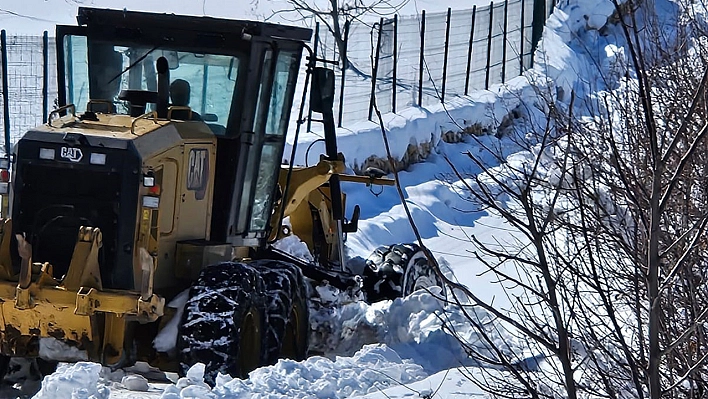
(401, 348)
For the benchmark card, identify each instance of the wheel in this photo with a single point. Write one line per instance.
(223, 320)
(398, 270)
(287, 315)
(4, 367)
(46, 367)
(420, 274)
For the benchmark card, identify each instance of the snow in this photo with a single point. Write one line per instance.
(54, 349)
(135, 383)
(166, 339)
(416, 346)
(75, 381)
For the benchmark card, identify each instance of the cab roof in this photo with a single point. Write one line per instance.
(123, 19)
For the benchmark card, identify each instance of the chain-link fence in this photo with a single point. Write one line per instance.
(29, 68)
(426, 58)
(404, 61)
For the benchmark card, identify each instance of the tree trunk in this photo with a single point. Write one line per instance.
(653, 263)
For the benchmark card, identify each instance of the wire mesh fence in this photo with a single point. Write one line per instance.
(420, 60)
(30, 72)
(404, 61)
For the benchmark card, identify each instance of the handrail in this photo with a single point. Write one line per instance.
(57, 111)
(178, 108)
(111, 106)
(147, 115)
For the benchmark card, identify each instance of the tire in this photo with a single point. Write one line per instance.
(46, 367)
(420, 274)
(223, 321)
(287, 315)
(396, 271)
(4, 367)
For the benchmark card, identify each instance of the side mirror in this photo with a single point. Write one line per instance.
(322, 91)
(210, 118)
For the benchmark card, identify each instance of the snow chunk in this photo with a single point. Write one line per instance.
(166, 339)
(135, 383)
(75, 381)
(54, 349)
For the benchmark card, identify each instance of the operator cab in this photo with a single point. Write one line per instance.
(230, 82)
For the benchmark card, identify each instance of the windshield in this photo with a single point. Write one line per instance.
(204, 82)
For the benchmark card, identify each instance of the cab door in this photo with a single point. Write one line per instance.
(72, 66)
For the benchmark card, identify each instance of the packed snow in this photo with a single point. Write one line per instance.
(418, 345)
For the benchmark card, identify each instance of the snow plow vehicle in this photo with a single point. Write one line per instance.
(161, 173)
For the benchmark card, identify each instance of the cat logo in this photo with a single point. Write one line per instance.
(72, 154)
(198, 172)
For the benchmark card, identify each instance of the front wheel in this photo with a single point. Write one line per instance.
(420, 274)
(222, 324)
(398, 270)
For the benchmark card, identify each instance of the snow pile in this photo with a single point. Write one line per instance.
(373, 368)
(372, 347)
(483, 110)
(75, 381)
(293, 245)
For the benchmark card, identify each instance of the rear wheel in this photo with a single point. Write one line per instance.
(223, 321)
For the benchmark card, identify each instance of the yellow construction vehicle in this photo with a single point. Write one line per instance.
(161, 171)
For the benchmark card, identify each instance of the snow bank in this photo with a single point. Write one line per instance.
(484, 110)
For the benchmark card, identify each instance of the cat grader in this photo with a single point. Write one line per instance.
(161, 172)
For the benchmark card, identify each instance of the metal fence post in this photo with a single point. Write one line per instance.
(420, 64)
(314, 54)
(489, 44)
(538, 21)
(523, 28)
(447, 47)
(345, 65)
(506, 27)
(375, 69)
(5, 97)
(395, 63)
(469, 51)
(45, 75)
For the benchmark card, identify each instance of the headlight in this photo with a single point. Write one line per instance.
(47, 153)
(97, 158)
